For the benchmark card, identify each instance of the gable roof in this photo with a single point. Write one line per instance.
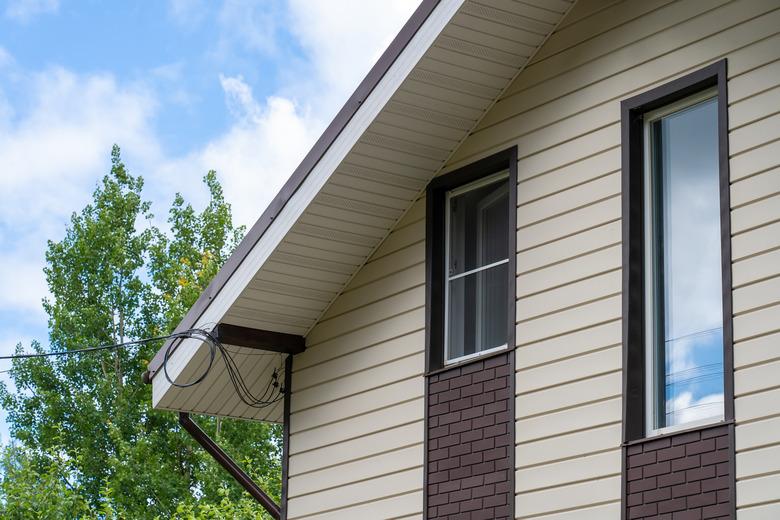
(440, 75)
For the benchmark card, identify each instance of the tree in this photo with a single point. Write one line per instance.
(116, 276)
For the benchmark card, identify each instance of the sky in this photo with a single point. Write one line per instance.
(182, 86)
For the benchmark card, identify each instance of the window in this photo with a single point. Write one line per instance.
(470, 261)
(676, 293)
(683, 287)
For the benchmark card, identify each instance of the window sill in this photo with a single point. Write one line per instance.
(676, 432)
(469, 361)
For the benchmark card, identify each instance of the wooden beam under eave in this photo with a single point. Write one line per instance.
(259, 339)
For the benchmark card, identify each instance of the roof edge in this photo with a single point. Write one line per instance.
(299, 175)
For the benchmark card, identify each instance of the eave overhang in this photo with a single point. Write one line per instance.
(428, 91)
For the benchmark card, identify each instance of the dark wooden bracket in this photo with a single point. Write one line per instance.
(239, 336)
(259, 339)
(230, 465)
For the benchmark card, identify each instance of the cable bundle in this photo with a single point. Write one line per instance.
(273, 392)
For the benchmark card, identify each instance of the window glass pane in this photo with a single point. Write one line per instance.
(477, 313)
(688, 315)
(478, 227)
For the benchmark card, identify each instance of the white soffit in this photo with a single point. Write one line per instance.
(451, 72)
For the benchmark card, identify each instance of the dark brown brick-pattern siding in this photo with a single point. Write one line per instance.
(687, 476)
(470, 441)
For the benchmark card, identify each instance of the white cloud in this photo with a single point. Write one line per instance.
(187, 13)
(253, 26)
(25, 10)
(52, 154)
(685, 409)
(256, 155)
(5, 57)
(343, 40)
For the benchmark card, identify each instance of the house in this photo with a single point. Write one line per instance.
(530, 270)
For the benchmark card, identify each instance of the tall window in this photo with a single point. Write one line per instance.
(470, 252)
(677, 329)
(683, 286)
(477, 263)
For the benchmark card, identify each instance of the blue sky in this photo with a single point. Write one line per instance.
(183, 86)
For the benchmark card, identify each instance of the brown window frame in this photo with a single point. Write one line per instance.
(633, 201)
(435, 254)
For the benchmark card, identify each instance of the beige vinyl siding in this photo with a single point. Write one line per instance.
(754, 126)
(356, 443)
(563, 114)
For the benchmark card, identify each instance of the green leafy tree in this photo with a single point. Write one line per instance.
(115, 276)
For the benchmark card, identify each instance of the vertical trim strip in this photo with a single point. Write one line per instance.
(288, 365)
(512, 319)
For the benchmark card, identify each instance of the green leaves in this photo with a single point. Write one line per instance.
(113, 277)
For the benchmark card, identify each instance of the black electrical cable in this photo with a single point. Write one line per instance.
(273, 392)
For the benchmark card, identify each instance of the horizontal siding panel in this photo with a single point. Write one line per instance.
(362, 447)
(756, 350)
(605, 511)
(576, 293)
(579, 495)
(756, 214)
(350, 472)
(757, 434)
(759, 294)
(756, 160)
(363, 295)
(756, 406)
(762, 512)
(356, 404)
(566, 472)
(711, 29)
(569, 199)
(567, 176)
(368, 314)
(756, 268)
(755, 241)
(569, 152)
(755, 134)
(757, 490)
(759, 462)
(356, 493)
(386, 508)
(362, 359)
(644, 35)
(757, 80)
(568, 446)
(396, 261)
(386, 330)
(569, 395)
(568, 224)
(359, 381)
(570, 247)
(757, 378)
(565, 370)
(402, 238)
(754, 108)
(569, 345)
(757, 322)
(755, 188)
(567, 421)
(355, 427)
(569, 320)
(584, 21)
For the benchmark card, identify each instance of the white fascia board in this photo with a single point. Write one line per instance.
(189, 350)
